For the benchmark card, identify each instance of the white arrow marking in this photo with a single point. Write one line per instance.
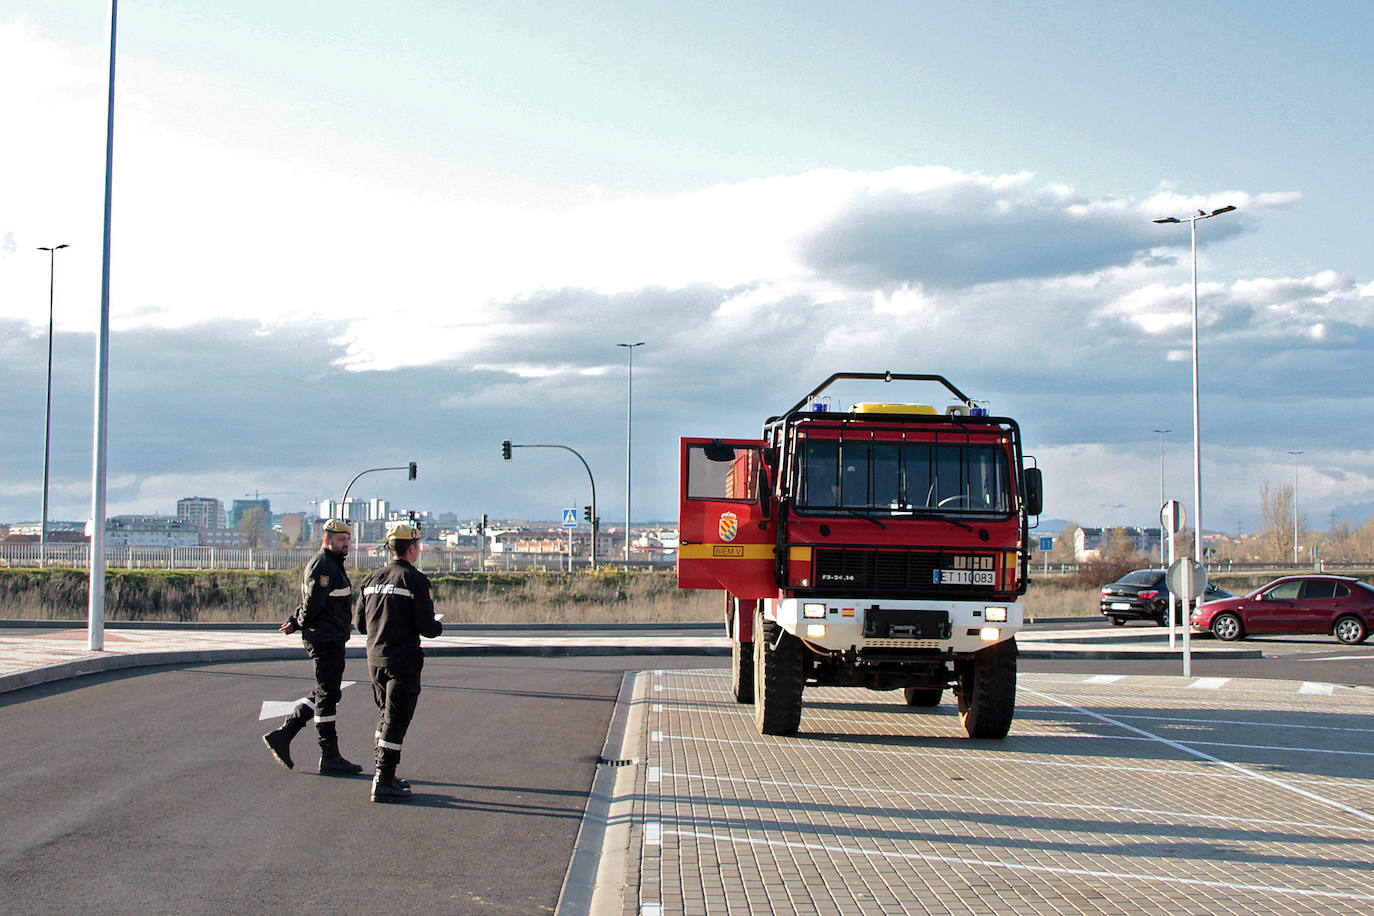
(271, 709)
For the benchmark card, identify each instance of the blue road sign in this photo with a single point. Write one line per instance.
(1047, 544)
(570, 518)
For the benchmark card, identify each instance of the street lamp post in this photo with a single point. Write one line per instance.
(1161, 490)
(629, 404)
(95, 598)
(47, 411)
(1198, 552)
(1295, 506)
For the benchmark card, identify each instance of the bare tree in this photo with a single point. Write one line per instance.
(1276, 527)
(254, 527)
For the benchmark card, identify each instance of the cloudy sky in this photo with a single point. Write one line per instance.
(348, 235)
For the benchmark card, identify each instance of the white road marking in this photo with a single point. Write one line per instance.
(1209, 683)
(655, 774)
(1031, 803)
(655, 736)
(1104, 679)
(653, 834)
(273, 709)
(1312, 687)
(1187, 749)
(1249, 722)
(1017, 866)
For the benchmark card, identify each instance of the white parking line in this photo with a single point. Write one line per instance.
(1192, 721)
(1188, 816)
(1017, 866)
(1206, 773)
(1277, 783)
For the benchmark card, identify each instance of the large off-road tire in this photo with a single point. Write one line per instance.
(923, 696)
(741, 664)
(987, 691)
(778, 678)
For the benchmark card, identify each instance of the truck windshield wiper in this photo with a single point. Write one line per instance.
(943, 518)
(866, 517)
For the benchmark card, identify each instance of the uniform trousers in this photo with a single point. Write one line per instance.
(396, 688)
(329, 669)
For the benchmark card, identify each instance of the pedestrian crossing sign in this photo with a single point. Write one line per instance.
(570, 518)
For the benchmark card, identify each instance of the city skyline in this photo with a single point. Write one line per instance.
(372, 239)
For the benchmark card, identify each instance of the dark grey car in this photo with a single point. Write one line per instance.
(1142, 595)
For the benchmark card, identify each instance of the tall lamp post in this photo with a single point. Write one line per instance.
(1198, 552)
(47, 411)
(95, 598)
(1161, 432)
(629, 404)
(1295, 506)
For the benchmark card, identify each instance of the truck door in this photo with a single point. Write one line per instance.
(727, 520)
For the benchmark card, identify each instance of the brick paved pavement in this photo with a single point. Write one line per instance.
(1111, 795)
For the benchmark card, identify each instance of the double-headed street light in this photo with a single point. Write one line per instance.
(629, 404)
(47, 411)
(1198, 552)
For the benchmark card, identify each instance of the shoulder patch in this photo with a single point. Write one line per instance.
(324, 582)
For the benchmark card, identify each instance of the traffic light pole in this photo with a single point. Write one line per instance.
(507, 445)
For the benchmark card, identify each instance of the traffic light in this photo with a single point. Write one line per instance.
(505, 449)
(587, 513)
(412, 470)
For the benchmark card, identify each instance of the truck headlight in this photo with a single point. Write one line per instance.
(813, 610)
(995, 614)
(815, 629)
(990, 634)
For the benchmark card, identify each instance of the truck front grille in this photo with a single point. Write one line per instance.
(900, 572)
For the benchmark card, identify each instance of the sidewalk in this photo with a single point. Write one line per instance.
(59, 651)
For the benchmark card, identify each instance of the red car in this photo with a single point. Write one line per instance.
(1294, 604)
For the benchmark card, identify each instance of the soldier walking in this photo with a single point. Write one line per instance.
(323, 620)
(395, 610)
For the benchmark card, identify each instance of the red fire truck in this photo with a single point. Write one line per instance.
(885, 546)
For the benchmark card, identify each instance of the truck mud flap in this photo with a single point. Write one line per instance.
(906, 624)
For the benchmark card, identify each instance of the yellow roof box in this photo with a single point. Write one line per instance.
(868, 407)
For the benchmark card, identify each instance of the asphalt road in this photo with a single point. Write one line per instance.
(152, 792)
(1291, 658)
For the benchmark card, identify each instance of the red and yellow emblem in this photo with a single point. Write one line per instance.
(729, 526)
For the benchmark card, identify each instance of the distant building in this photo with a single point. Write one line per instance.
(221, 537)
(202, 512)
(1092, 543)
(240, 506)
(293, 526)
(150, 531)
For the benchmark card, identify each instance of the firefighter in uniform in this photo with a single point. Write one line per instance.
(395, 609)
(323, 619)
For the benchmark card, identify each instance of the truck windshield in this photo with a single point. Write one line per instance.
(903, 477)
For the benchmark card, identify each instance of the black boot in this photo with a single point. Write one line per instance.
(278, 740)
(385, 786)
(332, 763)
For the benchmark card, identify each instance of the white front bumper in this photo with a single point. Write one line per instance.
(842, 626)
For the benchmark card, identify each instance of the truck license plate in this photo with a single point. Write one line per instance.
(965, 577)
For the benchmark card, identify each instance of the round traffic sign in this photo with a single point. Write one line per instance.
(1186, 578)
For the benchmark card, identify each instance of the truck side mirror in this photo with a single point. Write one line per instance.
(1035, 491)
(717, 451)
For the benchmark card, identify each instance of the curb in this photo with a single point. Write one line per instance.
(98, 664)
